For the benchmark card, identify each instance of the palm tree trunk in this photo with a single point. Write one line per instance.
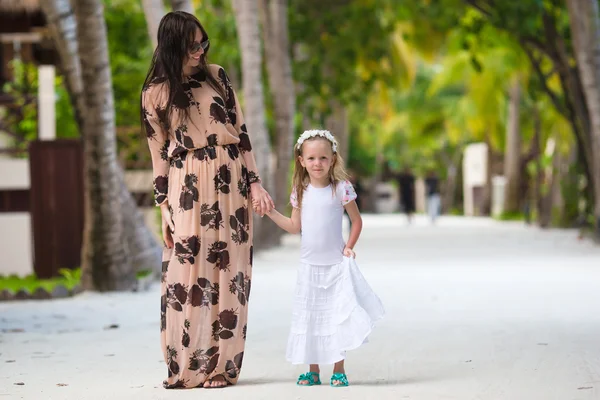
(449, 196)
(512, 153)
(154, 11)
(279, 66)
(548, 180)
(143, 248)
(337, 123)
(585, 28)
(144, 251)
(106, 263)
(246, 16)
(182, 5)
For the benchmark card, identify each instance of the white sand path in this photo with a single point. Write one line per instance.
(476, 310)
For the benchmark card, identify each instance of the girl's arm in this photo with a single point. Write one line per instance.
(291, 225)
(354, 214)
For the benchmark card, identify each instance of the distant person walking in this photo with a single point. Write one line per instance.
(432, 188)
(406, 183)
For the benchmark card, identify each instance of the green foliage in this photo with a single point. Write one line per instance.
(69, 279)
(332, 41)
(362, 154)
(143, 273)
(511, 216)
(218, 19)
(66, 126)
(419, 81)
(130, 51)
(21, 119)
(572, 193)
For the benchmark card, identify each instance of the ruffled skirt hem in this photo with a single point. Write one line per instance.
(335, 310)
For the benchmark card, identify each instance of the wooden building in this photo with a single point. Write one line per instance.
(24, 36)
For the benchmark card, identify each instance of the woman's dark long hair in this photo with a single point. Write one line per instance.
(176, 34)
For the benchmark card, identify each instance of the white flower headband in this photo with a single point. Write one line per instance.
(317, 132)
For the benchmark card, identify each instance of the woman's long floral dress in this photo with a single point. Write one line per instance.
(203, 166)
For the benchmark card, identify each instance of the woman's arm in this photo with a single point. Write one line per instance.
(234, 111)
(158, 144)
(291, 225)
(236, 116)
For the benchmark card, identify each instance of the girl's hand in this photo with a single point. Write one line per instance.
(256, 206)
(348, 252)
(167, 225)
(261, 200)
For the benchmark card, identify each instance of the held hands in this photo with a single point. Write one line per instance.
(167, 225)
(261, 200)
(348, 252)
(256, 206)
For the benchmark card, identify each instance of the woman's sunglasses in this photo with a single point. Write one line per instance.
(197, 46)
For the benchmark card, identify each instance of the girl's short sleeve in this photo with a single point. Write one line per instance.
(347, 191)
(294, 198)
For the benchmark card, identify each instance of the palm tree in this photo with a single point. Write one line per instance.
(106, 262)
(142, 248)
(585, 27)
(246, 16)
(512, 153)
(182, 5)
(154, 11)
(279, 66)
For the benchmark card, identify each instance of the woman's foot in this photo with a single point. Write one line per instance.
(216, 382)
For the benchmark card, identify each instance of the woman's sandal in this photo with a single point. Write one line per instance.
(312, 378)
(341, 378)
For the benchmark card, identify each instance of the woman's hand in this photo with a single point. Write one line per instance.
(167, 225)
(348, 252)
(261, 201)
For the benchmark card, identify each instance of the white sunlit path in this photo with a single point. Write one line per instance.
(475, 309)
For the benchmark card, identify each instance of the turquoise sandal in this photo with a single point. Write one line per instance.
(342, 378)
(311, 377)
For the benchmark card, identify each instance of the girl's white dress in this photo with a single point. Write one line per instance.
(334, 307)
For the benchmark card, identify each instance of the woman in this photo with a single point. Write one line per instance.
(205, 177)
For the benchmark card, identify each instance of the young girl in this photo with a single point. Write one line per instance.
(334, 308)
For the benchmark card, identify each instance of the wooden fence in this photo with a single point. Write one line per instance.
(56, 205)
(54, 201)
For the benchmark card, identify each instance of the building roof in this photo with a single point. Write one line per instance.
(19, 6)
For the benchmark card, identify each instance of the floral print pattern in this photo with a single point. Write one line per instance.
(203, 166)
(348, 192)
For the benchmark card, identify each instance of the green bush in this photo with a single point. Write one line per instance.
(68, 278)
(511, 216)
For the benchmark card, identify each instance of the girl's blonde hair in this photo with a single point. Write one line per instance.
(337, 172)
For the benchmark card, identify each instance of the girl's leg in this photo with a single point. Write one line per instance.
(312, 368)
